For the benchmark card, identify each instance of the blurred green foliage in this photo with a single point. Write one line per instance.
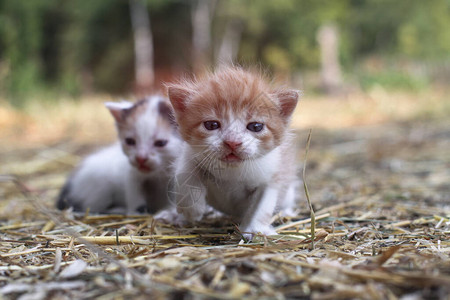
(392, 80)
(78, 46)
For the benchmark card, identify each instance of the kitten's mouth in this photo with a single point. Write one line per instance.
(231, 158)
(144, 168)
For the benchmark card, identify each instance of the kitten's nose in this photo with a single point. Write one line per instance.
(141, 160)
(233, 145)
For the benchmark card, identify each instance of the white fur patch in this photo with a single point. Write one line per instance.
(119, 105)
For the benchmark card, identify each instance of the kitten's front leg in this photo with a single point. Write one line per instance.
(189, 195)
(259, 213)
(287, 202)
(134, 197)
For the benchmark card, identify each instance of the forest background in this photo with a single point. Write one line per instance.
(50, 49)
(59, 60)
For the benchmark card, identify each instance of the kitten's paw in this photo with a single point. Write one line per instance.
(117, 211)
(249, 231)
(213, 213)
(143, 209)
(169, 216)
(288, 212)
(191, 214)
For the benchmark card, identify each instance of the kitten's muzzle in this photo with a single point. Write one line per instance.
(144, 168)
(232, 148)
(231, 158)
(141, 160)
(143, 164)
(233, 145)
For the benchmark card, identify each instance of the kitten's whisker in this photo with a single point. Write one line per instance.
(200, 164)
(206, 155)
(211, 166)
(199, 154)
(197, 164)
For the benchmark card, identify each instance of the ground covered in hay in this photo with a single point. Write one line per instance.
(381, 196)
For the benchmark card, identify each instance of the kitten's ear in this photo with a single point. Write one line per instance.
(116, 109)
(166, 111)
(178, 97)
(288, 101)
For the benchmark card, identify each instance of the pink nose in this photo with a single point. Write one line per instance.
(233, 145)
(141, 160)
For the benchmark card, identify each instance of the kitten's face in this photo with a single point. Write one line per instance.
(232, 116)
(231, 134)
(147, 135)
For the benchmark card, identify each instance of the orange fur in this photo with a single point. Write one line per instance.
(231, 89)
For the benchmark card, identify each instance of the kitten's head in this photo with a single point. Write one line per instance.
(232, 115)
(146, 132)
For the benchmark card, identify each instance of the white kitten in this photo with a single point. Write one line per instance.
(239, 155)
(133, 174)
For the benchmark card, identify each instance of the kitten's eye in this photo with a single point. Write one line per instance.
(211, 125)
(130, 141)
(255, 126)
(160, 143)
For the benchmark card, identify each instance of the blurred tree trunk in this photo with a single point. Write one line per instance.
(328, 39)
(143, 47)
(202, 13)
(230, 42)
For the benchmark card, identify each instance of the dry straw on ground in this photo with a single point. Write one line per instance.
(382, 209)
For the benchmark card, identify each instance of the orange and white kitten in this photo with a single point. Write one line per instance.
(133, 173)
(238, 155)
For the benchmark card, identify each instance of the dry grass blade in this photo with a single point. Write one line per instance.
(305, 186)
(301, 222)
